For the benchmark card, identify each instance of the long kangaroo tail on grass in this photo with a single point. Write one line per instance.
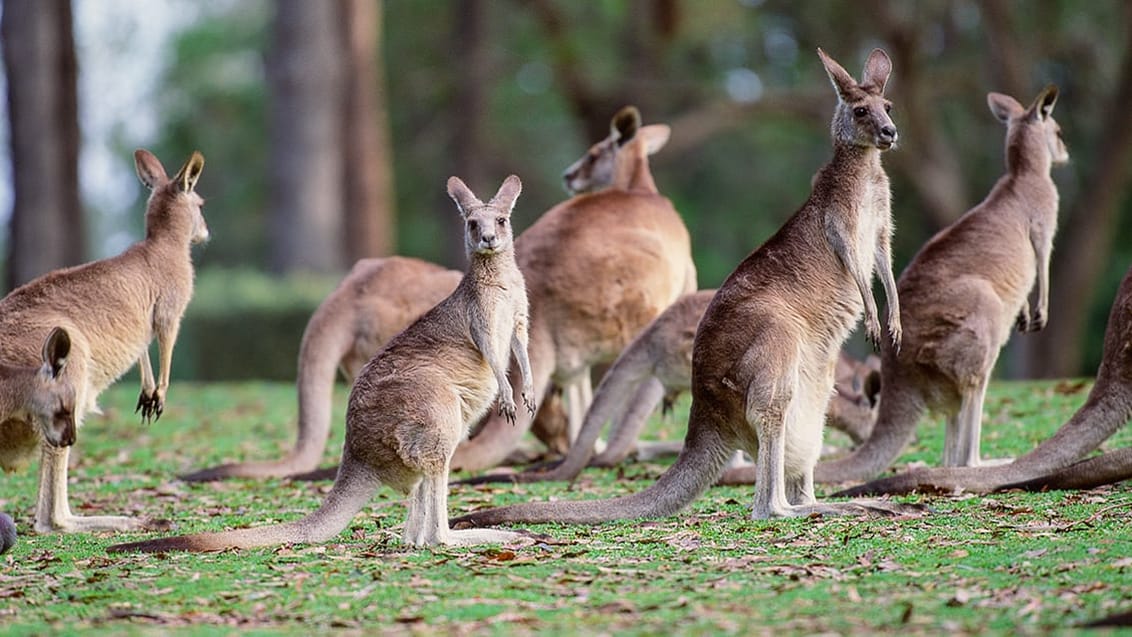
(351, 491)
(325, 343)
(699, 464)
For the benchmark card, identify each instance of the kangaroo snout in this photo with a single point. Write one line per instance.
(888, 136)
(64, 437)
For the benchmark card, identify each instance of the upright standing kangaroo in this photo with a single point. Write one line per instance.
(1052, 464)
(963, 293)
(599, 267)
(765, 352)
(418, 397)
(37, 406)
(112, 309)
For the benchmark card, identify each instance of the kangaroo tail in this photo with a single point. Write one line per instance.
(326, 340)
(900, 409)
(700, 463)
(1107, 468)
(349, 494)
(626, 430)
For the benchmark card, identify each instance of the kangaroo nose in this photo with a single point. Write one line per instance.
(888, 132)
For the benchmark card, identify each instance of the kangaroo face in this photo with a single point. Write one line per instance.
(193, 202)
(1031, 129)
(51, 401)
(862, 114)
(487, 226)
(595, 169)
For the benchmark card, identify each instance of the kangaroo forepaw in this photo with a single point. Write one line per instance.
(1037, 322)
(530, 404)
(151, 404)
(507, 410)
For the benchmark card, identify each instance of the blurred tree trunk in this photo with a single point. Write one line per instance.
(305, 84)
(470, 58)
(46, 229)
(368, 166)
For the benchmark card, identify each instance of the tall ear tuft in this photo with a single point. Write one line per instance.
(187, 177)
(625, 125)
(1003, 106)
(843, 83)
(877, 69)
(655, 136)
(462, 195)
(149, 169)
(508, 193)
(55, 350)
(1043, 105)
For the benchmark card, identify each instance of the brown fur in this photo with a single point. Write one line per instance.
(599, 267)
(961, 296)
(417, 398)
(765, 352)
(112, 309)
(375, 301)
(1052, 464)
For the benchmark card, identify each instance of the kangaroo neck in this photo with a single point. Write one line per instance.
(854, 160)
(493, 268)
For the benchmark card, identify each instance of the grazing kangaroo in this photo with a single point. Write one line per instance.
(656, 367)
(599, 267)
(765, 352)
(112, 309)
(37, 406)
(962, 294)
(375, 301)
(1053, 464)
(419, 395)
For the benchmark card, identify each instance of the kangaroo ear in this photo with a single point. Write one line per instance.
(508, 193)
(655, 136)
(877, 69)
(187, 177)
(1043, 105)
(1003, 106)
(55, 350)
(843, 83)
(462, 195)
(149, 169)
(625, 125)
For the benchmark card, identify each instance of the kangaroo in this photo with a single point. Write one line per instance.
(962, 294)
(628, 256)
(765, 352)
(1052, 463)
(656, 368)
(112, 309)
(37, 406)
(419, 395)
(378, 298)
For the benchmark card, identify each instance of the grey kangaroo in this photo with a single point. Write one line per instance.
(418, 397)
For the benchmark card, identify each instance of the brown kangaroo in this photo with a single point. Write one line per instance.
(376, 300)
(629, 257)
(1052, 464)
(961, 295)
(656, 367)
(765, 352)
(37, 406)
(112, 309)
(419, 395)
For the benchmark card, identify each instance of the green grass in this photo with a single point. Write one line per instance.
(1002, 564)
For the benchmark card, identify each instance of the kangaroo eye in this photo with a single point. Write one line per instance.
(473, 225)
(888, 108)
(502, 221)
(860, 111)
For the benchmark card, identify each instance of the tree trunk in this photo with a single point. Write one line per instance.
(304, 78)
(46, 229)
(368, 167)
(470, 58)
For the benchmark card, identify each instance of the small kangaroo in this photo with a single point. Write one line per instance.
(961, 295)
(37, 406)
(1053, 464)
(656, 368)
(413, 402)
(765, 352)
(375, 301)
(599, 267)
(112, 309)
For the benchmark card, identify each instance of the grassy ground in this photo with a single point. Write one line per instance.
(1008, 563)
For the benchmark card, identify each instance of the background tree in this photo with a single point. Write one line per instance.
(46, 227)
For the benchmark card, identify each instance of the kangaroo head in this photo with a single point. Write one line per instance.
(861, 117)
(1030, 130)
(598, 168)
(51, 401)
(487, 226)
(173, 202)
